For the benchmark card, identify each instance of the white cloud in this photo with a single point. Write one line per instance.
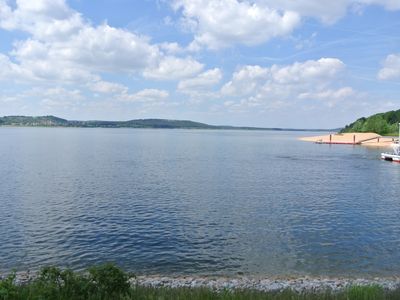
(59, 97)
(278, 86)
(172, 48)
(325, 10)
(329, 94)
(388, 4)
(108, 49)
(146, 95)
(391, 67)
(220, 23)
(203, 81)
(34, 61)
(310, 73)
(48, 98)
(44, 19)
(65, 47)
(312, 70)
(10, 70)
(106, 87)
(93, 49)
(245, 81)
(173, 68)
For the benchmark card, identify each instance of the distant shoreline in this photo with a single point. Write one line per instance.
(55, 122)
(173, 128)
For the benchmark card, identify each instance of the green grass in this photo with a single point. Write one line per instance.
(109, 282)
(354, 293)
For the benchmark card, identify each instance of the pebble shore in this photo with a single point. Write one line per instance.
(301, 284)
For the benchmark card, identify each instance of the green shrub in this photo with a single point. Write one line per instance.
(8, 289)
(109, 281)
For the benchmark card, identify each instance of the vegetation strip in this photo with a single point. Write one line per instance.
(110, 282)
(383, 123)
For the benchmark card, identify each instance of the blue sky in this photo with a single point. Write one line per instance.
(302, 64)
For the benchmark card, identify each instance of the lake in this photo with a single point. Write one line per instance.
(198, 202)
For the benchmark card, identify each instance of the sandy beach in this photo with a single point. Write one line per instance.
(369, 139)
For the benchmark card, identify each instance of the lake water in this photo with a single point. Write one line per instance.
(180, 202)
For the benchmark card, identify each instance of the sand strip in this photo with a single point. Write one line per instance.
(355, 138)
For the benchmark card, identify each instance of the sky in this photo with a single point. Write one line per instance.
(267, 63)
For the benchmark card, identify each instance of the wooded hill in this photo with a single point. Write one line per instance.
(383, 123)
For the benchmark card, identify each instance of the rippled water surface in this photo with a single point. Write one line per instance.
(191, 201)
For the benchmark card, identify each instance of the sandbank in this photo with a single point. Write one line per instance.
(369, 139)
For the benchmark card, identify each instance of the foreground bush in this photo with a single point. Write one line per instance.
(100, 282)
(109, 282)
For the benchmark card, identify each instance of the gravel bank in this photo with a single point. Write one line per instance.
(303, 284)
(265, 284)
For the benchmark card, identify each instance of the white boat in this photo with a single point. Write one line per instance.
(395, 156)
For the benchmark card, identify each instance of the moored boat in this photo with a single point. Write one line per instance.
(395, 156)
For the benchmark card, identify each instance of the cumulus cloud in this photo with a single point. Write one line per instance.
(307, 72)
(59, 97)
(246, 80)
(388, 4)
(325, 10)
(65, 47)
(277, 86)
(202, 87)
(44, 19)
(108, 49)
(172, 68)
(172, 48)
(220, 23)
(250, 78)
(56, 97)
(93, 49)
(10, 70)
(146, 95)
(106, 87)
(391, 67)
(203, 81)
(329, 94)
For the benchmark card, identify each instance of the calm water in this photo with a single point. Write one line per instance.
(189, 201)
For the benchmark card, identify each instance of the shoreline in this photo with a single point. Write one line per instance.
(221, 128)
(255, 283)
